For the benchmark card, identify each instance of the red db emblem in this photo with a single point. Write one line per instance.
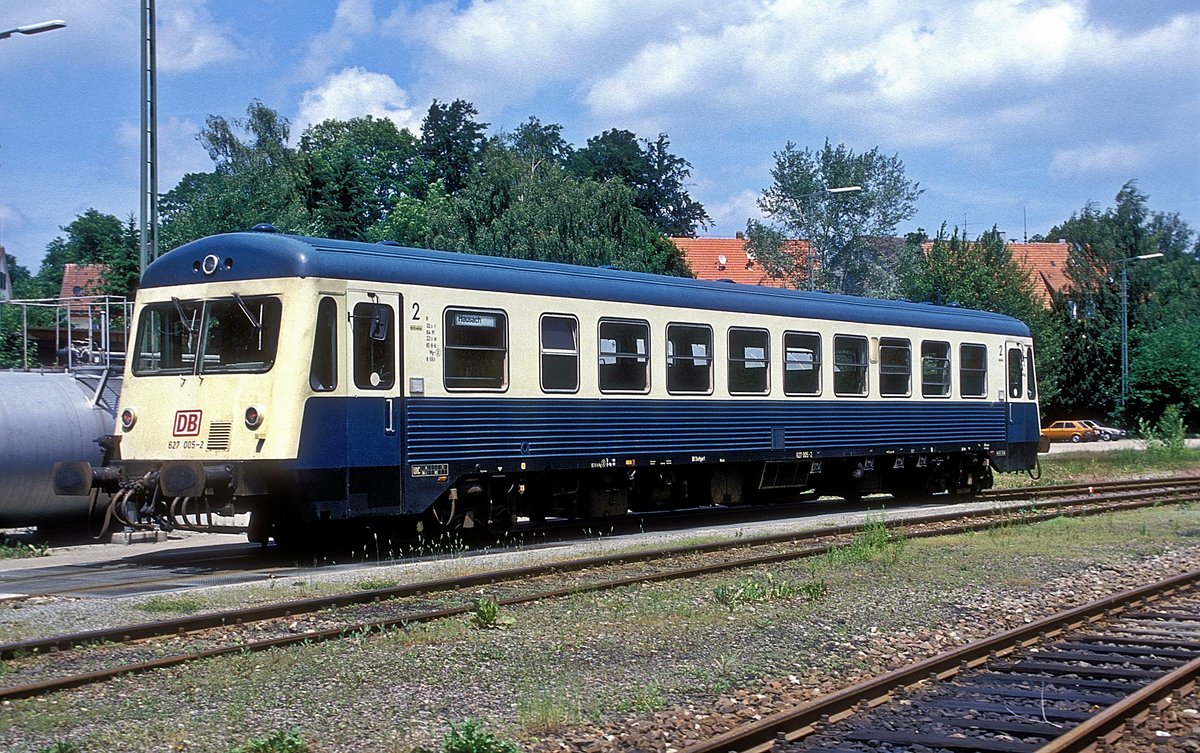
(187, 423)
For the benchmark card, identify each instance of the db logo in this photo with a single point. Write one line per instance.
(187, 423)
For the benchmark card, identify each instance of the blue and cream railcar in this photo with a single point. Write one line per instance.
(311, 380)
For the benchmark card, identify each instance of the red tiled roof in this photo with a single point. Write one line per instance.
(725, 259)
(80, 279)
(1046, 264)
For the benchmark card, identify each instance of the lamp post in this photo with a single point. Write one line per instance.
(37, 28)
(1125, 320)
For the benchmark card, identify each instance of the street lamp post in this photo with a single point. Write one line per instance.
(1125, 320)
(37, 28)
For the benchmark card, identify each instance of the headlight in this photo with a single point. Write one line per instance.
(128, 418)
(254, 417)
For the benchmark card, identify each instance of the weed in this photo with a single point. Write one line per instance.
(12, 549)
(469, 737)
(280, 741)
(487, 614)
(62, 747)
(376, 585)
(754, 590)
(175, 604)
(873, 542)
(545, 710)
(643, 698)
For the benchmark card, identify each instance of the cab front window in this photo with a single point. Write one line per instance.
(225, 335)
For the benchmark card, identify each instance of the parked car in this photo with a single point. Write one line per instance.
(1075, 431)
(1107, 433)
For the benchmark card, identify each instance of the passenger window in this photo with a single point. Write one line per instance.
(322, 375)
(895, 367)
(689, 358)
(749, 361)
(849, 365)
(624, 362)
(972, 370)
(560, 354)
(935, 369)
(476, 356)
(374, 346)
(1014, 373)
(802, 364)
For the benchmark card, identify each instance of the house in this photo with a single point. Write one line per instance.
(726, 259)
(79, 281)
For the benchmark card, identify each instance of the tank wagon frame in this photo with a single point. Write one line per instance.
(310, 381)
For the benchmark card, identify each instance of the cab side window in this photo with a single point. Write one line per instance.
(374, 346)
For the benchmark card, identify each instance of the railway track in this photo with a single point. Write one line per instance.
(241, 563)
(44, 665)
(1057, 685)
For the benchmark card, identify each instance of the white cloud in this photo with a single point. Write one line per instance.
(188, 39)
(352, 20)
(1109, 158)
(356, 92)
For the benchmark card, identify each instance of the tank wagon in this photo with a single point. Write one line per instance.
(310, 381)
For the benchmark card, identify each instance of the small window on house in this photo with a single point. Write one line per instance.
(802, 364)
(476, 349)
(935, 369)
(560, 353)
(849, 365)
(895, 367)
(624, 361)
(374, 346)
(749, 361)
(972, 370)
(322, 375)
(689, 358)
(1015, 386)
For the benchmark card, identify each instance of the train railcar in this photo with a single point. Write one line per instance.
(310, 381)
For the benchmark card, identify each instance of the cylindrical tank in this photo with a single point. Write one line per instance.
(46, 417)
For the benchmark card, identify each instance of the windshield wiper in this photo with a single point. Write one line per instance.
(183, 319)
(257, 324)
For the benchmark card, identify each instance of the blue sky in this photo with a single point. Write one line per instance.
(1007, 113)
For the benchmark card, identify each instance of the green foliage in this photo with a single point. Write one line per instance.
(280, 741)
(1167, 437)
(1163, 297)
(541, 212)
(873, 543)
(656, 176)
(451, 142)
(62, 746)
(12, 549)
(846, 231)
(487, 614)
(470, 737)
(765, 588)
(171, 604)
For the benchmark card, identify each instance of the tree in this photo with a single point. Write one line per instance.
(92, 238)
(506, 209)
(656, 176)
(843, 229)
(538, 145)
(451, 142)
(256, 178)
(353, 171)
(1163, 295)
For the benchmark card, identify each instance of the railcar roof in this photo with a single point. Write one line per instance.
(258, 255)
